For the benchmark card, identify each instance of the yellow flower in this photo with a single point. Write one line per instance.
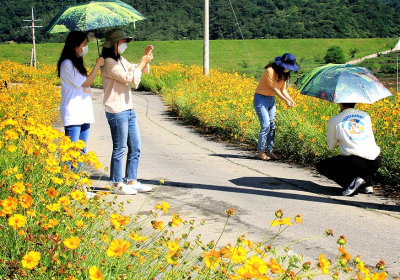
(72, 242)
(172, 257)
(275, 267)
(9, 204)
(104, 238)
(95, 273)
(117, 248)
(64, 200)
(25, 200)
(18, 188)
(212, 259)
(157, 225)
(248, 243)
(31, 213)
(17, 221)
(344, 255)
(323, 264)
(30, 260)
(176, 220)
(52, 192)
(11, 148)
(279, 222)
(238, 254)
(79, 224)
(173, 245)
(137, 237)
(164, 206)
(298, 219)
(53, 207)
(77, 195)
(257, 264)
(246, 272)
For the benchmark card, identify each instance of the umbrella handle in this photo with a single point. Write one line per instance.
(98, 49)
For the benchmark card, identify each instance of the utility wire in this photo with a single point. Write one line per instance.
(241, 34)
(11, 28)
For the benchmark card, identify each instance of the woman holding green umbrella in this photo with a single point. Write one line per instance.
(76, 102)
(118, 75)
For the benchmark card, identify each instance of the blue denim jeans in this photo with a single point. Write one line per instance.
(125, 134)
(265, 109)
(78, 132)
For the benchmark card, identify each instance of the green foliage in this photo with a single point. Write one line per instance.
(352, 52)
(335, 55)
(226, 54)
(183, 20)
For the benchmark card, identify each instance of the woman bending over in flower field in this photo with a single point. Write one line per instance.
(272, 83)
(118, 75)
(76, 102)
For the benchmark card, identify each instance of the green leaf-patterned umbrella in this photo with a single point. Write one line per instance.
(342, 83)
(92, 15)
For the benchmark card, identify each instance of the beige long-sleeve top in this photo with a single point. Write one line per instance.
(117, 77)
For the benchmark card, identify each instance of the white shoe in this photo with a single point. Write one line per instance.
(122, 188)
(139, 187)
(89, 195)
(357, 182)
(369, 189)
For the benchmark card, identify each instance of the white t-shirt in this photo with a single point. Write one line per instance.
(353, 130)
(76, 101)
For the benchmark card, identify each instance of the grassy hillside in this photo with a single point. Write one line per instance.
(225, 54)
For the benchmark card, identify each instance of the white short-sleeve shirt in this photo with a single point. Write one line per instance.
(76, 101)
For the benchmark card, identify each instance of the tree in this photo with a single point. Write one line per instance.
(353, 51)
(334, 55)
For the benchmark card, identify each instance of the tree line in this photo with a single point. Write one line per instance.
(229, 19)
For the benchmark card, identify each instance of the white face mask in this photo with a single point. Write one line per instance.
(122, 47)
(85, 51)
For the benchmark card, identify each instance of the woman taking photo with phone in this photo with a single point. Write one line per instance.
(118, 75)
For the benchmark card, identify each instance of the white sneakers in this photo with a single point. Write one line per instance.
(89, 195)
(139, 187)
(369, 189)
(123, 188)
(357, 182)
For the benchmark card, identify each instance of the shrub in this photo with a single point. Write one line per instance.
(334, 55)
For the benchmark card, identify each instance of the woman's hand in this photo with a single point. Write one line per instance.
(290, 103)
(100, 61)
(147, 58)
(148, 50)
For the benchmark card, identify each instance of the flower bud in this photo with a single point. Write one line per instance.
(342, 240)
(357, 260)
(343, 262)
(279, 213)
(380, 265)
(306, 266)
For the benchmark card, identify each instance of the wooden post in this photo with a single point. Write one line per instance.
(33, 53)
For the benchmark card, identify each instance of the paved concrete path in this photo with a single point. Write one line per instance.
(203, 178)
(396, 48)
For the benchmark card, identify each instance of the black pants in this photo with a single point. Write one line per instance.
(344, 169)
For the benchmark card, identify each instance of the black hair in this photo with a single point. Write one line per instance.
(349, 105)
(279, 70)
(109, 52)
(74, 39)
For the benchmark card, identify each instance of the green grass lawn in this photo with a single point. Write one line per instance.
(225, 54)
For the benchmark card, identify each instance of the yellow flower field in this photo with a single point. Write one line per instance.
(50, 230)
(223, 104)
